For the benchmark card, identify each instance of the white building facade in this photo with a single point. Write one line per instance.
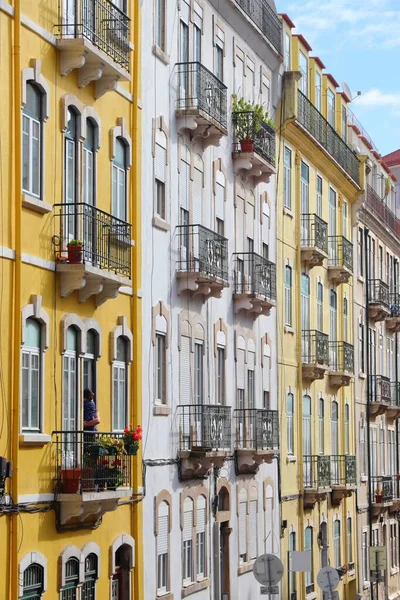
(211, 422)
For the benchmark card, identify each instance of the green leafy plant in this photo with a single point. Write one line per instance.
(112, 444)
(132, 437)
(249, 118)
(75, 243)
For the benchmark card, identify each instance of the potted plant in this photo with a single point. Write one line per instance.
(70, 473)
(132, 438)
(112, 445)
(378, 496)
(109, 474)
(342, 570)
(75, 251)
(249, 119)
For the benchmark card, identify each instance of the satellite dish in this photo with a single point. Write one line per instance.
(347, 91)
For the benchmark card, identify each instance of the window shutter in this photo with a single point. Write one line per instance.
(253, 529)
(201, 514)
(268, 526)
(251, 361)
(240, 369)
(159, 163)
(250, 221)
(184, 185)
(242, 528)
(219, 201)
(185, 370)
(162, 537)
(197, 196)
(185, 12)
(188, 522)
(266, 373)
(239, 224)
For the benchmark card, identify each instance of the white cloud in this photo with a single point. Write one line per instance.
(375, 98)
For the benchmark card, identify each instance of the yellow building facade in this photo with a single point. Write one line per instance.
(320, 180)
(70, 313)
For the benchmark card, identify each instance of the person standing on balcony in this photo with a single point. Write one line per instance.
(91, 415)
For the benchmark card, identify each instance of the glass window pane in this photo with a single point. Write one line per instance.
(33, 101)
(71, 339)
(121, 349)
(120, 153)
(32, 333)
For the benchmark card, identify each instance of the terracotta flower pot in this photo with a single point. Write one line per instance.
(71, 479)
(247, 145)
(75, 254)
(378, 498)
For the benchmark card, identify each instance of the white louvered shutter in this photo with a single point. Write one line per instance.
(201, 514)
(185, 12)
(251, 361)
(219, 201)
(266, 373)
(268, 526)
(159, 163)
(188, 521)
(185, 370)
(240, 369)
(253, 529)
(239, 224)
(242, 528)
(197, 209)
(250, 221)
(184, 185)
(162, 537)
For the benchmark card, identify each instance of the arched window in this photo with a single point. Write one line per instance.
(160, 360)
(335, 468)
(242, 517)
(88, 187)
(91, 576)
(33, 582)
(31, 376)
(89, 361)
(32, 141)
(120, 408)
(346, 428)
(201, 538)
(290, 423)
(187, 541)
(70, 589)
(71, 156)
(336, 544)
(70, 381)
(119, 180)
(321, 426)
(350, 543)
(163, 547)
(308, 545)
(307, 443)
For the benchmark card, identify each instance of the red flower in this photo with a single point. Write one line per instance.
(139, 429)
(126, 430)
(117, 462)
(104, 462)
(137, 436)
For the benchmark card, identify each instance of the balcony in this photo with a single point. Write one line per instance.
(316, 479)
(94, 37)
(343, 477)
(381, 211)
(255, 283)
(340, 259)
(254, 151)
(204, 438)
(103, 265)
(378, 305)
(264, 18)
(93, 471)
(382, 491)
(341, 363)
(201, 105)
(202, 266)
(257, 438)
(313, 240)
(393, 320)
(315, 354)
(379, 394)
(319, 128)
(393, 410)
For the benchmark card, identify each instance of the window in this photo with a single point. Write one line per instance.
(361, 252)
(318, 90)
(288, 296)
(33, 582)
(287, 51)
(253, 528)
(391, 451)
(350, 542)
(303, 64)
(120, 383)
(70, 167)
(220, 375)
(335, 428)
(160, 175)
(31, 376)
(308, 545)
(394, 556)
(382, 441)
(265, 91)
(320, 306)
(374, 451)
(321, 426)
(91, 576)
(307, 441)
(361, 365)
(290, 423)
(292, 574)
(363, 457)
(365, 561)
(242, 526)
(219, 62)
(70, 589)
(345, 319)
(346, 429)
(160, 24)
(250, 387)
(336, 544)
(201, 538)
(319, 196)
(287, 179)
(70, 381)
(88, 183)
(198, 373)
(163, 548)
(32, 141)
(119, 178)
(331, 108)
(161, 368)
(187, 540)
(89, 361)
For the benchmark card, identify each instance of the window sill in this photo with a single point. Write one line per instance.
(291, 459)
(394, 570)
(35, 204)
(361, 279)
(290, 330)
(161, 411)
(363, 478)
(197, 586)
(311, 596)
(351, 574)
(245, 568)
(34, 439)
(366, 585)
(165, 596)
(288, 212)
(161, 224)
(362, 375)
(160, 54)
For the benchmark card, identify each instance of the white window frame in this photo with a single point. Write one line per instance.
(32, 129)
(118, 368)
(288, 295)
(290, 425)
(159, 25)
(221, 380)
(365, 556)
(337, 553)
(163, 558)
(201, 542)
(32, 353)
(160, 368)
(287, 178)
(187, 547)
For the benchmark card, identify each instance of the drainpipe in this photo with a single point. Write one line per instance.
(16, 311)
(367, 362)
(136, 303)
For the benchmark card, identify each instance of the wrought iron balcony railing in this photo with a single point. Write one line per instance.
(394, 304)
(340, 252)
(247, 125)
(316, 471)
(378, 292)
(256, 429)
(106, 239)
(315, 347)
(313, 121)
(341, 357)
(101, 22)
(314, 232)
(265, 19)
(343, 470)
(383, 486)
(381, 210)
(395, 394)
(254, 275)
(91, 461)
(204, 427)
(202, 251)
(201, 90)
(379, 389)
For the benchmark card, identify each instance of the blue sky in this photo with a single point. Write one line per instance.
(359, 42)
